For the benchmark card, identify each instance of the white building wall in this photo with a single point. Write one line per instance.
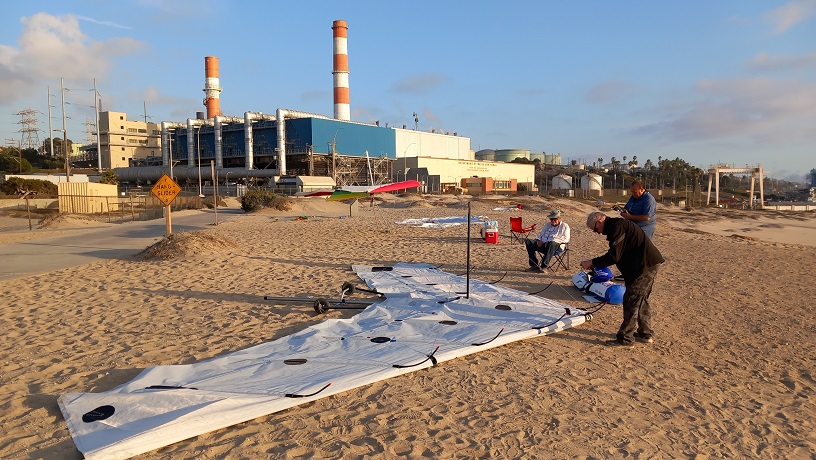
(410, 143)
(452, 171)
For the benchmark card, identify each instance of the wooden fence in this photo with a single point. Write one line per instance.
(121, 208)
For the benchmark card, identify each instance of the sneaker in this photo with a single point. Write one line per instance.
(534, 270)
(618, 343)
(641, 338)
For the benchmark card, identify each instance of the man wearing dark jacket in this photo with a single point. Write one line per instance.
(637, 259)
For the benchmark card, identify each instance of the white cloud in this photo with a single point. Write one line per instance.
(51, 47)
(761, 109)
(152, 96)
(765, 61)
(103, 23)
(419, 84)
(790, 14)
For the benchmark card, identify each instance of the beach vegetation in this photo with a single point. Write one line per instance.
(255, 200)
(14, 186)
(109, 177)
(184, 244)
(31, 157)
(13, 164)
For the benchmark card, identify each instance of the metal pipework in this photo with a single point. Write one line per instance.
(218, 122)
(281, 115)
(248, 117)
(191, 147)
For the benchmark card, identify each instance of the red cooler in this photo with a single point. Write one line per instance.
(491, 236)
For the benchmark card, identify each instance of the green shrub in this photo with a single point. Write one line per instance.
(52, 163)
(255, 200)
(43, 188)
(109, 177)
(11, 164)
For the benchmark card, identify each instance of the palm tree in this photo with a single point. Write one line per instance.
(615, 164)
(660, 172)
(622, 175)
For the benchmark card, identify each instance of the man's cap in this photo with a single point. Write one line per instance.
(554, 214)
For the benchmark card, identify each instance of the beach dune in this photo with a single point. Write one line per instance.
(729, 376)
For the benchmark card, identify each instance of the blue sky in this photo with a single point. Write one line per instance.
(729, 81)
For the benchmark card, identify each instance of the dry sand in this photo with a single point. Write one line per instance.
(731, 374)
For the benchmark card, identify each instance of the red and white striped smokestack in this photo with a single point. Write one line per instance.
(212, 87)
(342, 110)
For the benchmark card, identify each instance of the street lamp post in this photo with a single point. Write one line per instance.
(170, 151)
(96, 112)
(64, 145)
(65, 136)
(405, 160)
(334, 155)
(50, 127)
(198, 152)
(19, 153)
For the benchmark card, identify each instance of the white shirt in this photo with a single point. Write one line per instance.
(559, 234)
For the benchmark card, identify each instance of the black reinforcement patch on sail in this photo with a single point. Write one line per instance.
(100, 413)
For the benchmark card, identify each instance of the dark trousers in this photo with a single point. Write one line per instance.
(637, 313)
(547, 249)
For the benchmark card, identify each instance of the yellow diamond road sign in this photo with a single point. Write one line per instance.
(166, 190)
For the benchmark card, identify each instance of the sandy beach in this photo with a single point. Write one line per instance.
(731, 374)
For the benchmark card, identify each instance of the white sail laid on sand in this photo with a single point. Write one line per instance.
(428, 316)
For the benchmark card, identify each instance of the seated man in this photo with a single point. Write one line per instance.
(551, 239)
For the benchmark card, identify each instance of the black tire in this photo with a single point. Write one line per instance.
(348, 288)
(321, 305)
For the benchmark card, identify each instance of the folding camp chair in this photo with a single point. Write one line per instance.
(560, 258)
(517, 230)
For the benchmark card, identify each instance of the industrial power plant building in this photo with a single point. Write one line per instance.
(253, 148)
(268, 147)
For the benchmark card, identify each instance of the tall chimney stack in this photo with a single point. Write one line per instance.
(342, 110)
(212, 87)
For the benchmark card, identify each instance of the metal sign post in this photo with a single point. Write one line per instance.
(166, 190)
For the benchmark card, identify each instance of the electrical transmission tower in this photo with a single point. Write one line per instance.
(29, 137)
(90, 131)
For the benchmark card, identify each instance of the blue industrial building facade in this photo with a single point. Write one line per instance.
(352, 139)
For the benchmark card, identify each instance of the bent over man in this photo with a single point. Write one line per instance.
(637, 259)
